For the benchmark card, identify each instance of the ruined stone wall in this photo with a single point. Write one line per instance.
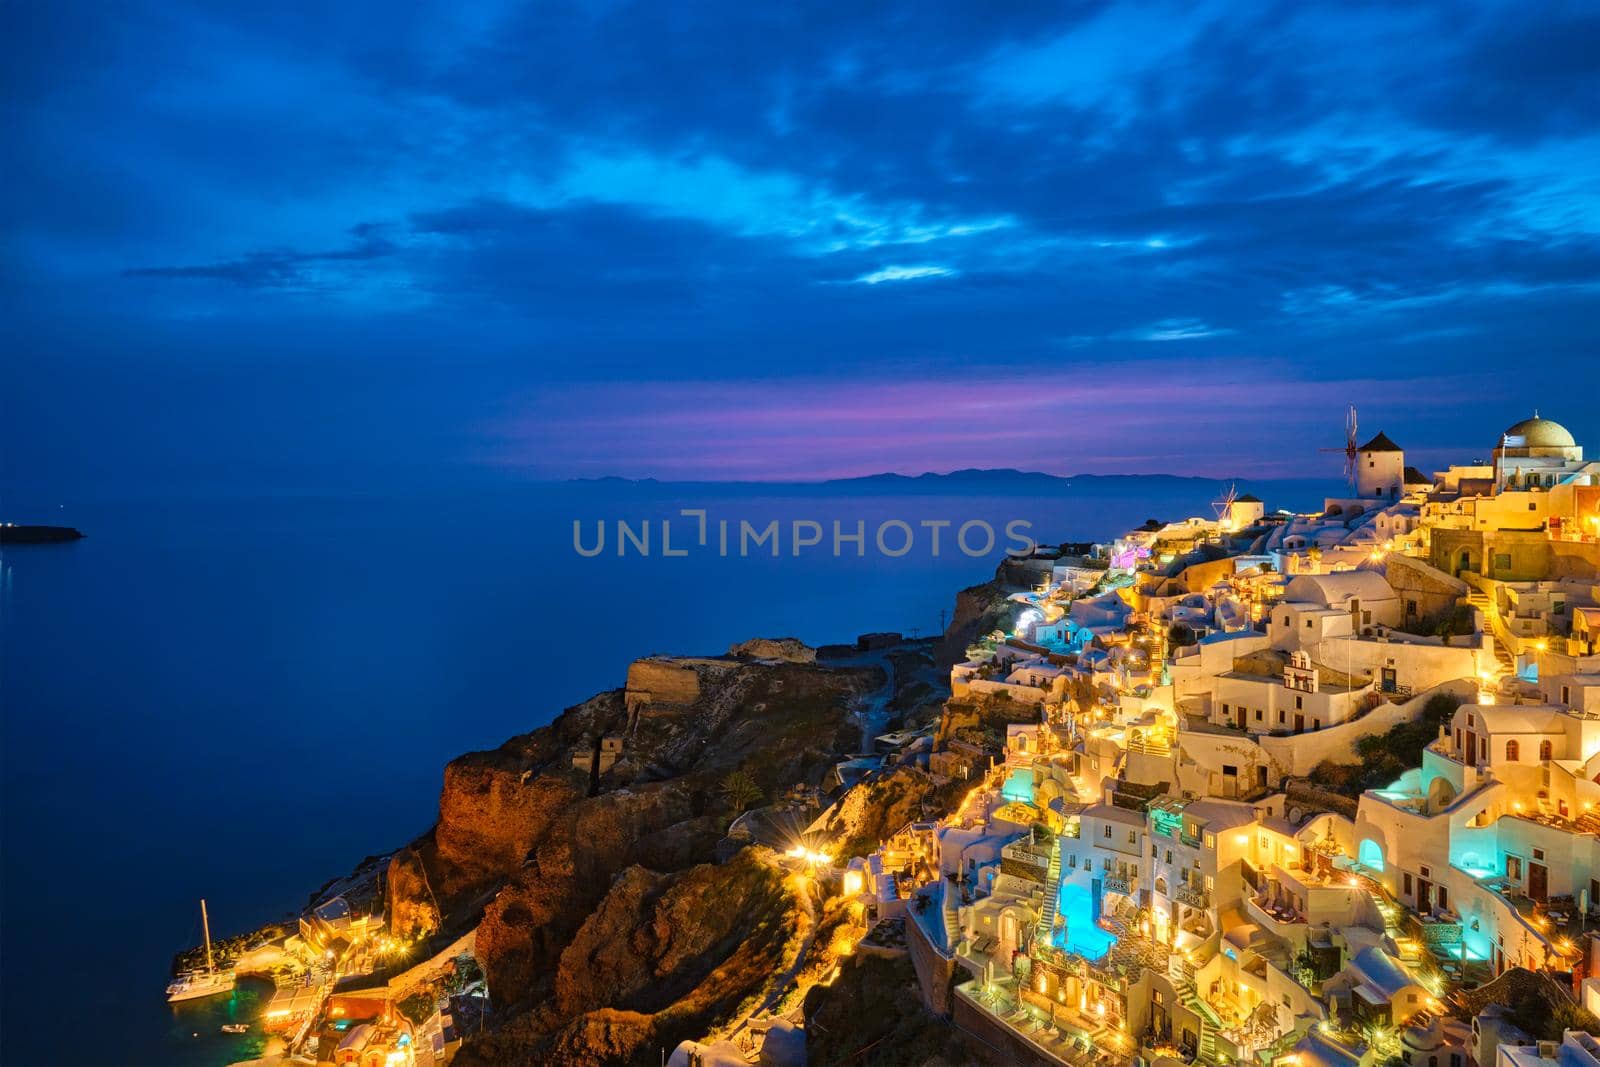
(661, 681)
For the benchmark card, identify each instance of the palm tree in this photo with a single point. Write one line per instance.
(741, 791)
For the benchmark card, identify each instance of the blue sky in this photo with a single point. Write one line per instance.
(287, 245)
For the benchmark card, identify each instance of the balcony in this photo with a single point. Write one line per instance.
(1115, 883)
(1193, 896)
(1272, 917)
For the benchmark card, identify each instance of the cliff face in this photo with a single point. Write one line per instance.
(604, 925)
(872, 1014)
(872, 813)
(982, 608)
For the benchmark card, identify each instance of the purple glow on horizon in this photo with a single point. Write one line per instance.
(1214, 420)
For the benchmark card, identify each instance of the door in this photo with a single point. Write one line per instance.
(1299, 723)
(1538, 881)
(1390, 682)
(1470, 754)
(1424, 897)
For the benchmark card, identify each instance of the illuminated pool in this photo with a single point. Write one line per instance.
(1079, 934)
(1018, 786)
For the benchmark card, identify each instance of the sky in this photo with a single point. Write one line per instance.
(267, 246)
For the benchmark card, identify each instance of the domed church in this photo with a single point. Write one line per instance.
(1535, 453)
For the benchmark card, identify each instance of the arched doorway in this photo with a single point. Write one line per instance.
(1370, 854)
(1008, 935)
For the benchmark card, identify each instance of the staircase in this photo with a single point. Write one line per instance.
(1052, 895)
(952, 915)
(1210, 1021)
(1480, 600)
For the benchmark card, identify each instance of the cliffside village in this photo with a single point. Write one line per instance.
(1164, 867)
(1291, 790)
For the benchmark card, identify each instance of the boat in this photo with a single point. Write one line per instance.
(236, 1028)
(13, 534)
(208, 982)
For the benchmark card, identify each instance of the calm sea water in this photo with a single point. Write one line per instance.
(240, 698)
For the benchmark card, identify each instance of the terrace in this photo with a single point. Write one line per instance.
(1056, 1032)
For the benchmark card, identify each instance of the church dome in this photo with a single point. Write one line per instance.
(1539, 433)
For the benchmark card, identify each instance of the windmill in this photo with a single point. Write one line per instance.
(1349, 448)
(1224, 506)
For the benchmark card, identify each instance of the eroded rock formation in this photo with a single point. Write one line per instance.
(604, 927)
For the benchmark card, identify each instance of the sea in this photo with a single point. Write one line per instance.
(238, 698)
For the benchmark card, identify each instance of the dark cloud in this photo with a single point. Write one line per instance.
(498, 199)
(279, 269)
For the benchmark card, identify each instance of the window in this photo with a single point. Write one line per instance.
(1483, 748)
(1281, 719)
(1538, 853)
(1408, 883)
(1308, 624)
(1107, 833)
(1258, 715)
(1211, 841)
(1511, 750)
(1444, 898)
(1133, 837)
(1546, 750)
(1230, 770)
(1299, 703)
(1514, 868)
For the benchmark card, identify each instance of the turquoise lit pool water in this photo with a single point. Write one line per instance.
(1019, 786)
(1080, 934)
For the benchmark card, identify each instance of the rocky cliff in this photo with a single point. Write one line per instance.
(603, 926)
(985, 607)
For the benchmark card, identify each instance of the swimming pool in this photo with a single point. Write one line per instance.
(1079, 934)
(1018, 786)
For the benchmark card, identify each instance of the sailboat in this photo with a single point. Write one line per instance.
(201, 983)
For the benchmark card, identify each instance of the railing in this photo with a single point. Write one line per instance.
(1115, 883)
(1189, 839)
(1192, 896)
